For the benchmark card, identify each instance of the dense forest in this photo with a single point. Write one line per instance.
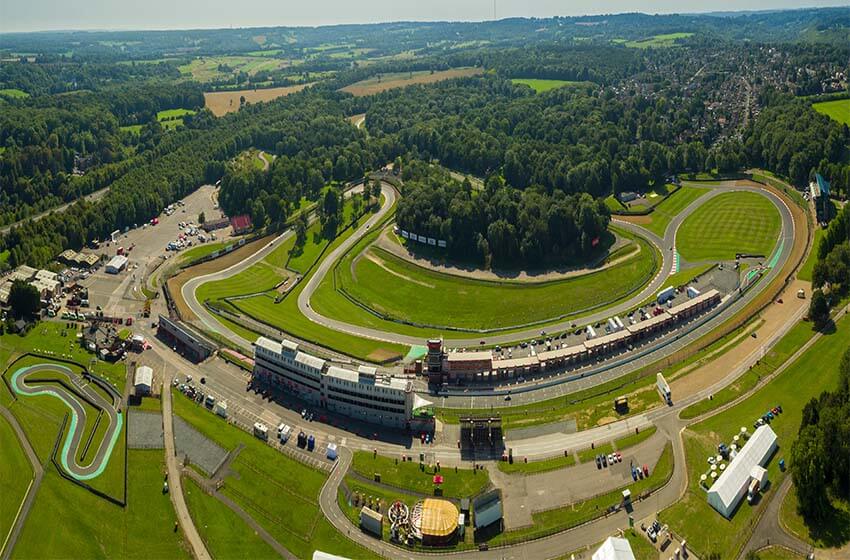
(77, 120)
(500, 224)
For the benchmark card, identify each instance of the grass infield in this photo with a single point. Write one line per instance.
(730, 223)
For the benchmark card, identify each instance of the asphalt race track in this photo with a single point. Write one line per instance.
(72, 400)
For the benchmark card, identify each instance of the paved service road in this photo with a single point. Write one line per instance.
(199, 549)
(74, 439)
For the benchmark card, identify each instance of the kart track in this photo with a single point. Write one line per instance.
(44, 384)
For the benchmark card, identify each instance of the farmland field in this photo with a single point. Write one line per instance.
(730, 223)
(838, 110)
(658, 41)
(13, 93)
(212, 68)
(383, 82)
(541, 86)
(223, 102)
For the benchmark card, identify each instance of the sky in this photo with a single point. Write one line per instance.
(43, 15)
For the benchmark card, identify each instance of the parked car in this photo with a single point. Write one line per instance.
(598, 462)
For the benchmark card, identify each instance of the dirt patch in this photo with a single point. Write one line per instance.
(382, 355)
(605, 420)
(376, 85)
(175, 283)
(223, 102)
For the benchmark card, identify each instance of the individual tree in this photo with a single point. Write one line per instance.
(24, 299)
(301, 226)
(819, 308)
(202, 218)
(356, 206)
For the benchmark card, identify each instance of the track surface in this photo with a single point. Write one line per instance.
(74, 439)
(665, 246)
(554, 387)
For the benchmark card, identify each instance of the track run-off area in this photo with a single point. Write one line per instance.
(60, 382)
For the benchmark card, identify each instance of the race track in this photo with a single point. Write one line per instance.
(72, 399)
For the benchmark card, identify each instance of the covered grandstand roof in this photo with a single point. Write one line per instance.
(823, 184)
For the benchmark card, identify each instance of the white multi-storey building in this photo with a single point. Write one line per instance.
(363, 395)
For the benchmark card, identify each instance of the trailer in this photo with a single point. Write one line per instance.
(372, 522)
(283, 432)
(692, 292)
(665, 294)
(619, 323)
(590, 332)
(612, 325)
(664, 389)
(261, 431)
(221, 408)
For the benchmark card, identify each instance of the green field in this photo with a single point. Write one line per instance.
(657, 41)
(730, 223)
(286, 316)
(15, 477)
(201, 251)
(48, 337)
(541, 86)
(214, 67)
(13, 93)
(670, 207)
(422, 296)
(805, 272)
(144, 529)
(91, 527)
(216, 523)
(692, 517)
(457, 483)
(776, 356)
(280, 493)
(838, 110)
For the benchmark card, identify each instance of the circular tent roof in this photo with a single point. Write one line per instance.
(439, 518)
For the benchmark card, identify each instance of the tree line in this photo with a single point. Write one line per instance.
(820, 456)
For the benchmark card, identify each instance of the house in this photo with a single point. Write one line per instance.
(117, 264)
(143, 380)
(241, 224)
